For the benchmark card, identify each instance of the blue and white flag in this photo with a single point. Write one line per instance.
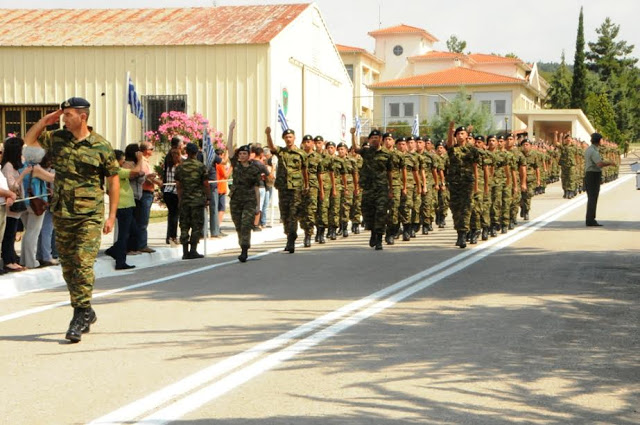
(136, 105)
(207, 147)
(415, 128)
(358, 127)
(282, 120)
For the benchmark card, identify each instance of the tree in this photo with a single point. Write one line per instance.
(463, 111)
(560, 87)
(578, 86)
(600, 112)
(456, 46)
(608, 57)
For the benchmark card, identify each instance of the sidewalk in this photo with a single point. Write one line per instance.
(14, 284)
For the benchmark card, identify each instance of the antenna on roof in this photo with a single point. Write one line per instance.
(379, 14)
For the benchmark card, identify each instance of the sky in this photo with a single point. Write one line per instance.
(534, 30)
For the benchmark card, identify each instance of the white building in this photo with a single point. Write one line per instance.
(229, 62)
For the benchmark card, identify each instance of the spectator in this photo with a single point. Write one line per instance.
(271, 162)
(257, 158)
(14, 171)
(126, 210)
(130, 162)
(143, 206)
(223, 171)
(36, 181)
(7, 197)
(170, 193)
(46, 243)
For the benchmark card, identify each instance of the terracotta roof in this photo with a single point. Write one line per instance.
(435, 55)
(350, 49)
(403, 29)
(146, 27)
(484, 58)
(457, 76)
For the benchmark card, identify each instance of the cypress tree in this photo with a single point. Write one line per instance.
(579, 86)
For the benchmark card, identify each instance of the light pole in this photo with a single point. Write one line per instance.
(506, 125)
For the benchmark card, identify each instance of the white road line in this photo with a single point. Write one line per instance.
(189, 403)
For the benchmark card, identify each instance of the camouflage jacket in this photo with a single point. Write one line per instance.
(291, 163)
(314, 166)
(245, 179)
(461, 160)
(81, 167)
(192, 174)
(377, 162)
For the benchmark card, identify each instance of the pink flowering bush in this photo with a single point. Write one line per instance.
(176, 123)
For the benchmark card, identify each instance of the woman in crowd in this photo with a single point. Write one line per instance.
(222, 171)
(46, 254)
(14, 171)
(170, 193)
(245, 196)
(131, 160)
(126, 208)
(35, 184)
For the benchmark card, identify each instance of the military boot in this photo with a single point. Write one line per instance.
(193, 254)
(185, 251)
(317, 238)
(425, 229)
(461, 242)
(372, 239)
(504, 229)
(244, 254)
(413, 229)
(332, 233)
(430, 227)
(291, 242)
(345, 230)
(406, 232)
(493, 230)
(356, 228)
(379, 241)
(80, 323)
(389, 237)
(398, 231)
(442, 224)
(485, 233)
(474, 237)
(307, 240)
(526, 216)
(321, 239)
(564, 195)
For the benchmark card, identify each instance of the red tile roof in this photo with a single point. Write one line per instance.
(403, 29)
(146, 27)
(350, 49)
(457, 76)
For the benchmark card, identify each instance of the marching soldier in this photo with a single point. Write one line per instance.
(315, 191)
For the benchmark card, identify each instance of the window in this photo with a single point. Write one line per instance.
(154, 106)
(501, 106)
(350, 71)
(486, 105)
(394, 109)
(408, 109)
(19, 119)
(398, 50)
(438, 106)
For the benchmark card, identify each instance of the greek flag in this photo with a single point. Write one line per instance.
(136, 105)
(207, 147)
(281, 119)
(358, 127)
(415, 128)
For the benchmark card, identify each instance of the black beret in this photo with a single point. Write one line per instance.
(244, 148)
(328, 144)
(596, 137)
(288, 131)
(470, 135)
(192, 148)
(491, 136)
(509, 134)
(401, 139)
(501, 137)
(318, 139)
(366, 145)
(439, 143)
(459, 129)
(342, 145)
(307, 137)
(416, 138)
(427, 139)
(480, 137)
(374, 133)
(75, 103)
(385, 135)
(525, 140)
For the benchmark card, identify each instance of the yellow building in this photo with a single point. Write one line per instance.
(228, 62)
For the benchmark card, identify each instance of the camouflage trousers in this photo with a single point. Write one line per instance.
(191, 218)
(78, 242)
(417, 205)
(393, 206)
(406, 206)
(477, 210)
(428, 206)
(443, 202)
(334, 208)
(347, 204)
(323, 208)
(525, 200)
(515, 201)
(309, 210)
(567, 178)
(290, 203)
(374, 208)
(243, 213)
(460, 204)
(356, 208)
(500, 201)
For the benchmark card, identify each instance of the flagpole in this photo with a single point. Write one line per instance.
(123, 138)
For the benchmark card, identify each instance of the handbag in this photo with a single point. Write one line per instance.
(38, 205)
(18, 206)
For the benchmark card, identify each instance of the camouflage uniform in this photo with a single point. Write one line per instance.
(429, 199)
(347, 192)
(567, 162)
(417, 190)
(339, 169)
(500, 191)
(243, 201)
(356, 209)
(191, 174)
(375, 198)
(323, 204)
(461, 180)
(516, 161)
(443, 194)
(289, 182)
(407, 201)
(310, 202)
(529, 160)
(397, 165)
(78, 205)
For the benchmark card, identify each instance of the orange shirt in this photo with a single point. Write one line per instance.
(221, 174)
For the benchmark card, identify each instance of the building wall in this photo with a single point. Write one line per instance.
(304, 51)
(398, 66)
(220, 82)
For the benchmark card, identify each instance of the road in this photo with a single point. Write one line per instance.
(539, 326)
